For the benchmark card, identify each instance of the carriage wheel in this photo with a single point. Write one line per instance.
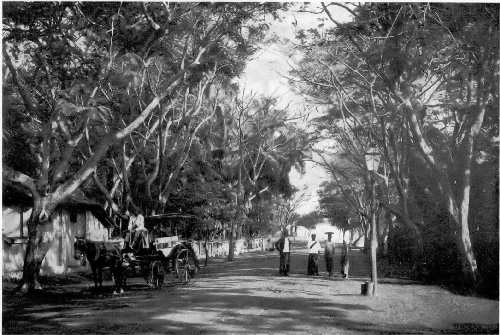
(182, 266)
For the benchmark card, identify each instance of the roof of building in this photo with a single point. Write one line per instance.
(80, 202)
(77, 201)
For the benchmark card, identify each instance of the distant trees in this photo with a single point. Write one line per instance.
(309, 220)
(420, 83)
(263, 144)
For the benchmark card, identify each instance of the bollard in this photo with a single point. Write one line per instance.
(367, 288)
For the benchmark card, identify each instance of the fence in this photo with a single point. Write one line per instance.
(221, 247)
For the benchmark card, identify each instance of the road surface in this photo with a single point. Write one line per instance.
(247, 296)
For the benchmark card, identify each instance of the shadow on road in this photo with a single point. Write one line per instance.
(244, 296)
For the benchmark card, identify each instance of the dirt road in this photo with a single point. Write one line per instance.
(247, 296)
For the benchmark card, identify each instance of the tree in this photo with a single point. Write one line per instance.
(309, 220)
(425, 74)
(335, 207)
(82, 78)
(264, 144)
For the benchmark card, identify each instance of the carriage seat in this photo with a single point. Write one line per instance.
(166, 244)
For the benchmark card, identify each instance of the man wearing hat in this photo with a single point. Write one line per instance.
(329, 252)
(314, 249)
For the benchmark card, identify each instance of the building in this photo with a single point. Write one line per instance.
(76, 217)
(299, 233)
(338, 235)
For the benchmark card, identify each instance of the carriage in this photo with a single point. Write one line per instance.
(167, 255)
(164, 256)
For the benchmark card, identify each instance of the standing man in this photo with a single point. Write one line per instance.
(329, 252)
(344, 260)
(284, 248)
(314, 249)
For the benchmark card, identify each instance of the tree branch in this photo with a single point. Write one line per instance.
(61, 169)
(10, 175)
(108, 197)
(22, 90)
(327, 11)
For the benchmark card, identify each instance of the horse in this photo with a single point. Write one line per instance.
(157, 274)
(102, 255)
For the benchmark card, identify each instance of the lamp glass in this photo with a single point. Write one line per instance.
(372, 159)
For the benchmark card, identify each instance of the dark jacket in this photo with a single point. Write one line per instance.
(280, 244)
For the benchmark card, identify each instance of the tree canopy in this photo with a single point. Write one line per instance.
(418, 82)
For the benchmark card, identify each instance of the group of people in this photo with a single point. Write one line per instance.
(283, 245)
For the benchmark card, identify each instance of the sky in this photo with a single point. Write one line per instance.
(265, 75)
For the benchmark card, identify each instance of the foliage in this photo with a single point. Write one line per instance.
(334, 206)
(121, 92)
(419, 82)
(309, 220)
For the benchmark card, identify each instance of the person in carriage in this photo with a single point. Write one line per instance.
(141, 235)
(137, 237)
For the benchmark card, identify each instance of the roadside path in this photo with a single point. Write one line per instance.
(247, 297)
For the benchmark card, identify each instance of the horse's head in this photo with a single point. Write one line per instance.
(80, 247)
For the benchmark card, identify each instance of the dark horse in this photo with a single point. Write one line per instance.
(102, 255)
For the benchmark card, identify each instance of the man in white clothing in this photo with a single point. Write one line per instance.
(314, 249)
(141, 238)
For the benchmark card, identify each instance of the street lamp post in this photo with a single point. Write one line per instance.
(372, 159)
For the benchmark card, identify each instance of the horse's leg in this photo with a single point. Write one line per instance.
(122, 278)
(116, 279)
(94, 274)
(121, 275)
(99, 276)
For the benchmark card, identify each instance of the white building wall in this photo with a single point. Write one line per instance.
(322, 228)
(11, 222)
(302, 233)
(338, 237)
(13, 253)
(52, 233)
(60, 235)
(95, 231)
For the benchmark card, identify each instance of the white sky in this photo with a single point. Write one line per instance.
(264, 75)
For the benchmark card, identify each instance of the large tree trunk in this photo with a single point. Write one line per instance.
(205, 248)
(230, 255)
(38, 244)
(239, 198)
(469, 264)
(468, 260)
(459, 213)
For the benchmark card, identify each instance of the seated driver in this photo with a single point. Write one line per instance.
(141, 240)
